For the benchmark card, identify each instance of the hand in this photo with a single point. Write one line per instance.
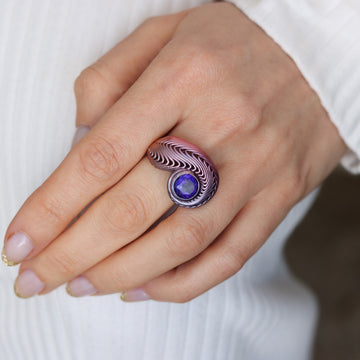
(210, 76)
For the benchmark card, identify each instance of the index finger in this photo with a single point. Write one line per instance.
(114, 145)
(101, 84)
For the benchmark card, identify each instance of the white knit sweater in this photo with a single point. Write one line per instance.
(322, 37)
(262, 313)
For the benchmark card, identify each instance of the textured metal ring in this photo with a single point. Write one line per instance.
(194, 179)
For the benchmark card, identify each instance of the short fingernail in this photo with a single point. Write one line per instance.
(80, 286)
(137, 294)
(16, 248)
(80, 132)
(28, 284)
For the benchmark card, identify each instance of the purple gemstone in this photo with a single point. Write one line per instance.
(186, 186)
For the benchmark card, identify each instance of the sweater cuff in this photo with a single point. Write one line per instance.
(322, 37)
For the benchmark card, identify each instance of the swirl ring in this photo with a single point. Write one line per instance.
(194, 179)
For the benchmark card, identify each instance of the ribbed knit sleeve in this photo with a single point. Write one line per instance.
(260, 313)
(322, 37)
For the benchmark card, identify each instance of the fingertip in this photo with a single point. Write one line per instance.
(5, 259)
(80, 286)
(134, 295)
(16, 248)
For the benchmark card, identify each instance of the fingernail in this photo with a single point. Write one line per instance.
(16, 248)
(5, 260)
(28, 284)
(137, 294)
(80, 132)
(80, 286)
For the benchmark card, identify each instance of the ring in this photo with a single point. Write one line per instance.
(194, 179)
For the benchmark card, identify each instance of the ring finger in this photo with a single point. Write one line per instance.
(125, 212)
(115, 219)
(179, 238)
(174, 241)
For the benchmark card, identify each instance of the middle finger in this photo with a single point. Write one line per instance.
(117, 218)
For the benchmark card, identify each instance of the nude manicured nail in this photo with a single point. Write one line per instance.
(80, 132)
(80, 286)
(28, 284)
(16, 248)
(135, 295)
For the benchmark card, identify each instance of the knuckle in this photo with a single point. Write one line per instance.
(292, 189)
(242, 116)
(61, 263)
(297, 184)
(179, 291)
(121, 278)
(230, 261)
(100, 158)
(184, 290)
(126, 213)
(191, 66)
(183, 296)
(52, 210)
(202, 58)
(186, 239)
(274, 148)
(151, 21)
(249, 115)
(90, 81)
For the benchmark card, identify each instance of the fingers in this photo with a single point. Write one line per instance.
(176, 240)
(225, 257)
(97, 162)
(117, 218)
(124, 213)
(101, 84)
(175, 263)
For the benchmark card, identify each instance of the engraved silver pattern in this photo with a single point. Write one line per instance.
(179, 156)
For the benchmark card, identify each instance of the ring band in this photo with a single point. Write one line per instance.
(194, 179)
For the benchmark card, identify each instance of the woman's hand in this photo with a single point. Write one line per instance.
(212, 77)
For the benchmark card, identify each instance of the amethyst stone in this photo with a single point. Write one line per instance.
(186, 186)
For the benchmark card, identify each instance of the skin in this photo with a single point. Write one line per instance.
(210, 76)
